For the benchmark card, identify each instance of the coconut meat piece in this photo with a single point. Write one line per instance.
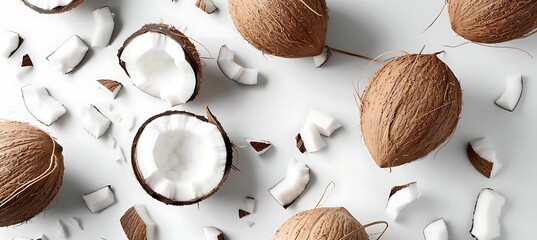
(100, 199)
(207, 6)
(481, 148)
(41, 105)
(401, 197)
(157, 65)
(234, 71)
(110, 87)
(322, 58)
(104, 27)
(311, 138)
(436, 230)
(249, 207)
(487, 212)
(512, 93)
(212, 233)
(326, 124)
(181, 157)
(293, 185)
(9, 43)
(150, 226)
(259, 146)
(94, 122)
(69, 55)
(49, 4)
(25, 65)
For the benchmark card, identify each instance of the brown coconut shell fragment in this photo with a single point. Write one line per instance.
(191, 53)
(497, 21)
(410, 107)
(26, 61)
(300, 143)
(56, 10)
(111, 85)
(133, 225)
(482, 165)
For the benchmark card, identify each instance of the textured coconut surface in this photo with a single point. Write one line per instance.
(275, 110)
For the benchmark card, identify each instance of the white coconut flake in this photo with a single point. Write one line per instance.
(293, 185)
(94, 122)
(482, 149)
(512, 93)
(100, 199)
(9, 43)
(150, 226)
(402, 198)
(436, 230)
(234, 71)
(48, 4)
(313, 141)
(157, 65)
(62, 230)
(212, 233)
(104, 27)
(41, 105)
(487, 212)
(321, 59)
(326, 124)
(69, 55)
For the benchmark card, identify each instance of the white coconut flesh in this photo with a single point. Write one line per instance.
(482, 149)
(181, 157)
(94, 122)
(158, 66)
(512, 93)
(486, 223)
(234, 71)
(104, 27)
(293, 185)
(49, 4)
(41, 105)
(208, 6)
(212, 233)
(326, 124)
(99, 200)
(9, 42)
(402, 198)
(321, 59)
(69, 55)
(436, 230)
(313, 141)
(150, 226)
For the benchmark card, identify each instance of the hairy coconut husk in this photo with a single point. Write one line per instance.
(191, 53)
(322, 223)
(284, 28)
(60, 9)
(493, 21)
(411, 106)
(31, 171)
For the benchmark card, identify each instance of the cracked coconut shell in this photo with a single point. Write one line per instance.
(493, 21)
(283, 28)
(411, 106)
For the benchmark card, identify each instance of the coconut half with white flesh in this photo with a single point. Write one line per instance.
(260, 147)
(69, 55)
(483, 157)
(400, 197)
(52, 7)
(110, 87)
(41, 105)
(9, 43)
(162, 62)
(322, 58)
(213, 233)
(207, 6)
(487, 212)
(437, 230)
(233, 70)
(137, 224)
(180, 158)
(287, 191)
(510, 97)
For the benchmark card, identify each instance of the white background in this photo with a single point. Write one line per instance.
(275, 110)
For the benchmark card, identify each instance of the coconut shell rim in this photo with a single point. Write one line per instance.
(56, 10)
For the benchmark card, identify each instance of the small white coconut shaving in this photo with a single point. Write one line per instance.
(69, 55)
(402, 198)
(100, 199)
(234, 71)
(487, 212)
(94, 122)
(482, 149)
(41, 105)
(9, 43)
(49, 5)
(212, 233)
(437, 230)
(104, 26)
(513, 91)
(62, 230)
(321, 59)
(150, 226)
(293, 185)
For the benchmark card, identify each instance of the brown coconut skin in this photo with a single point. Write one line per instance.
(411, 106)
(56, 10)
(27, 152)
(191, 53)
(133, 226)
(322, 223)
(134, 159)
(493, 21)
(284, 28)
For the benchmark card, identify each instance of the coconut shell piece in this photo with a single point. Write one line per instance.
(56, 10)
(26, 61)
(291, 29)
(31, 171)
(480, 164)
(410, 107)
(207, 6)
(137, 225)
(111, 86)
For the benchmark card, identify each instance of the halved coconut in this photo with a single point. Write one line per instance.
(400, 197)
(69, 55)
(41, 105)
(9, 43)
(287, 191)
(181, 158)
(52, 7)
(483, 158)
(104, 26)
(162, 62)
(487, 212)
(512, 93)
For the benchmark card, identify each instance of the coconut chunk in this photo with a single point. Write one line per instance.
(207, 6)
(110, 87)
(326, 124)
(62, 230)
(483, 157)
(137, 224)
(68, 56)
(212, 233)
(400, 197)
(104, 26)
(94, 122)
(100, 199)
(25, 65)
(234, 71)
(287, 191)
(322, 58)
(41, 105)
(487, 212)
(437, 230)
(9, 43)
(259, 146)
(511, 95)
(309, 139)
(249, 207)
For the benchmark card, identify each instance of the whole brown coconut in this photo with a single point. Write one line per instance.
(322, 223)
(411, 106)
(31, 171)
(284, 28)
(60, 9)
(493, 21)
